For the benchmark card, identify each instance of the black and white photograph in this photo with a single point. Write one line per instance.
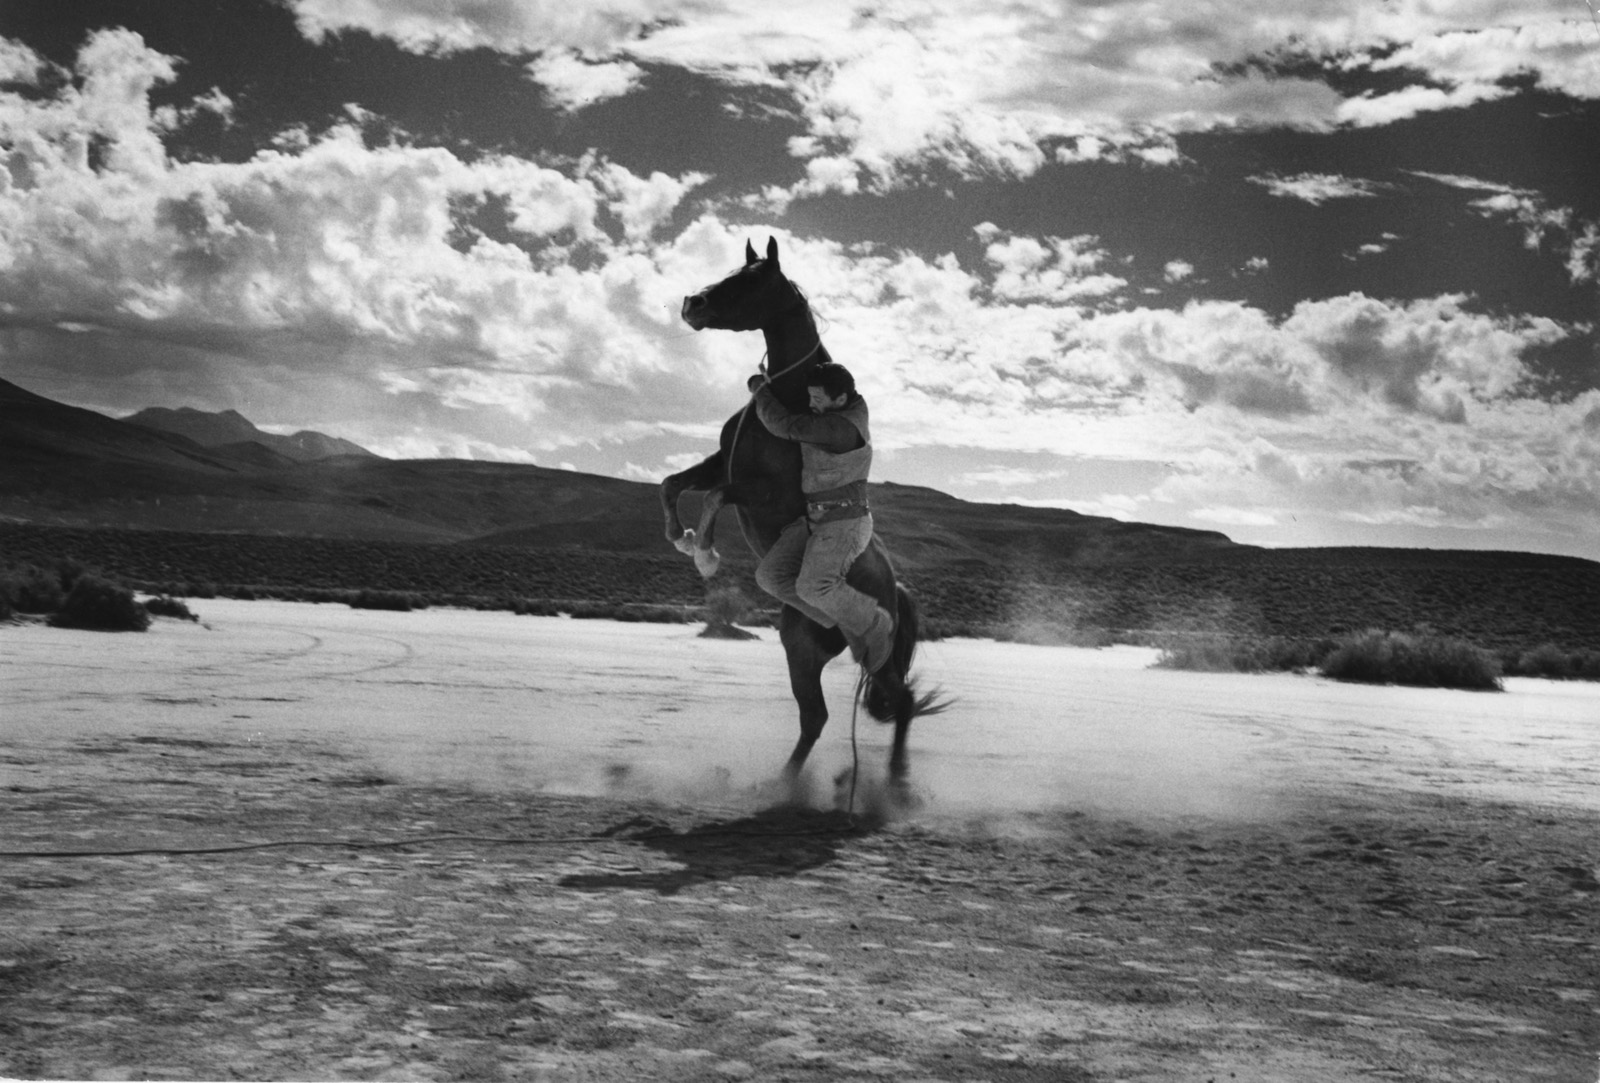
(1026, 541)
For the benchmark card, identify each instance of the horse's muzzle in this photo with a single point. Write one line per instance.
(694, 310)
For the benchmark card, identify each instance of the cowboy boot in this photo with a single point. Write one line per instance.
(875, 645)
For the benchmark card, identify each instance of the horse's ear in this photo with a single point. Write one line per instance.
(749, 253)
(772, 252)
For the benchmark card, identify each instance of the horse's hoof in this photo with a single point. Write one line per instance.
(684, 543)
(706, 561)
(901, 797)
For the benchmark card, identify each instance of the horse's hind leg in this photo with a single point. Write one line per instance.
(904, 710)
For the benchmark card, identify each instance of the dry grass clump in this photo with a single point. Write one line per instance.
(1428, 661)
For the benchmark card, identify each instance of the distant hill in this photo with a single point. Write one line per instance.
(66, 466)
(158, 506)
(43, 438)
(229, 427)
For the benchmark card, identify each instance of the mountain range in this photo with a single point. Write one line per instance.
(229, 429)
(216, 472)
(216, 502)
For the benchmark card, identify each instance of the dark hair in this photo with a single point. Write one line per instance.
(833, 378)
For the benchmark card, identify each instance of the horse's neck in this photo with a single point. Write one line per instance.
(793, 346)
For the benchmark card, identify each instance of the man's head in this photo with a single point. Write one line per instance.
(829, 386)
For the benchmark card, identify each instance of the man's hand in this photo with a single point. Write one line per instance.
(753, 384)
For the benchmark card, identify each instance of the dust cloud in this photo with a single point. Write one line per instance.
(548, 705)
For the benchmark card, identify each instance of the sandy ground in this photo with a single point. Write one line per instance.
(1104, 871)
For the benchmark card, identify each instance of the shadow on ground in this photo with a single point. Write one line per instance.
(772, 843)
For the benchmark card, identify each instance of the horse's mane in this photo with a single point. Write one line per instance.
(806, 300)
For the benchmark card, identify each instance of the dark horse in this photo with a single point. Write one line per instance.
(758, 474)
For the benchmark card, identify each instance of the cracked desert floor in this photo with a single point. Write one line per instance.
(493, 847)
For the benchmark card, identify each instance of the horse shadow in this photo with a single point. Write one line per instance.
(776, 842)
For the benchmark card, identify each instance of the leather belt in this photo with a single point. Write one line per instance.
(817, 507)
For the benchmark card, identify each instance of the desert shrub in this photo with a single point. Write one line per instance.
(1545, 660)
(652, 614)
(1397, 658)
(535, 607)
(395, 600)
(31, 589)
(164, 605)
(726, 605)
(6, 612)
(103, 605)
(762, 618)
(70, 569)
(1549, 660)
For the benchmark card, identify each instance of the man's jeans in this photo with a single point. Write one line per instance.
(806, 568)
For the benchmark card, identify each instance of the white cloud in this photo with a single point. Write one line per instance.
(1560, 49)
(1372, 112)
(984, 89)
(1318, 188)
(632, 471)
(20, 64)
(1178, 270)
(340, 262)
(328, 286)
(573, 82)
(1058, 270)
(1006, 477)
(506, 25)
(1228, 516)
(1571, 237)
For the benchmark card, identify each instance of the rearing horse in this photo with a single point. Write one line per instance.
(758, 474)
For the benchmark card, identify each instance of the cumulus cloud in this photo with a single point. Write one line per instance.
(1561, 49)
(342, 285)
(572, 82)
(1061, 270)
(335, 261)
(985, 89)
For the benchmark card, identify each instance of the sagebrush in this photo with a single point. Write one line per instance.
(102, 605)
(1378, 657)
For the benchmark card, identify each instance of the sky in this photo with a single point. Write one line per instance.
(1305, 272)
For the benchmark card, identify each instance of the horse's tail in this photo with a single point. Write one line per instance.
(890, 695)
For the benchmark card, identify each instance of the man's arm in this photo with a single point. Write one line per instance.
(829, 431)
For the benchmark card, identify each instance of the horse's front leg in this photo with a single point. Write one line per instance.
(707, 474)
(706, 557)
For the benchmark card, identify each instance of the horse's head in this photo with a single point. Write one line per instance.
(748, 299)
